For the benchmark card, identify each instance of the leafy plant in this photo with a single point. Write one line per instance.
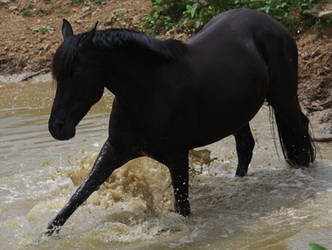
(26, 11)
(49, 10)
(59, 14)
(44, 29)
(74, 1)
(315, 246)
(191, 15)
(3, 5)
(38, 10)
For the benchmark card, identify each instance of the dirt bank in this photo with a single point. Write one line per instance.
(315, 76)
(31, 29)
(31, 33)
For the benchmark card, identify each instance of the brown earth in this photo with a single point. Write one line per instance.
(31, 32)
(315, 76)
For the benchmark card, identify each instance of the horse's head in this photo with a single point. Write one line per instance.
(79, 83)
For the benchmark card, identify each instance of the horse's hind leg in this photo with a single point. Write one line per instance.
(178, 165)
(245, 144)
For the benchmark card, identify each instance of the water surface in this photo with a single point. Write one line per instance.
(274, 207)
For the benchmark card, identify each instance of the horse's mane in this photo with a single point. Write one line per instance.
(165, 50)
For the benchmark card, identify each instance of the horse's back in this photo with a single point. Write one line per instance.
(239, 24)
(245, 37)
(252, 38)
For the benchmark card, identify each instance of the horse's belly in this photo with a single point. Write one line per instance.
(224, 110)
(223, 124)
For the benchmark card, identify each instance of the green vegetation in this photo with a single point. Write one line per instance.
(191, 15)
(44, 29)
(74, 1)
(31, 9)
(26, 11)
(315, 246)
(51, 8)
(86, 2)
(97, 1)
(3, 5)
(38, 10)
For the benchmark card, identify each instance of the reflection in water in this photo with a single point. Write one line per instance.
(275, 207)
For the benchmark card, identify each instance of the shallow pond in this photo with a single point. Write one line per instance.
(275, 207)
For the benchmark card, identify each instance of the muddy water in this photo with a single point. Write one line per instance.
(275, 207)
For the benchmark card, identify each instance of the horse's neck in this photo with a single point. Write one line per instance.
(135, 59)
(131, 77)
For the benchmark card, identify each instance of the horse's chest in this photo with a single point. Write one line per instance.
(167, 125)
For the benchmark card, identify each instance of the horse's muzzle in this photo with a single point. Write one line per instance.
(61, 130)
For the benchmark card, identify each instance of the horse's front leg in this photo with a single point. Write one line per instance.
(110, 157)
(179, 169)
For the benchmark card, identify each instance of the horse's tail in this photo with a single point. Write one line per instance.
(281, 58)
(295, 138)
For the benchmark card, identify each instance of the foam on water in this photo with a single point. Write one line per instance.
(135, 206)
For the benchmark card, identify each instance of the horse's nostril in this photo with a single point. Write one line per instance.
(60, 129)
(58, 124)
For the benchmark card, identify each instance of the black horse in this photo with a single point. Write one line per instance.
(171, 96)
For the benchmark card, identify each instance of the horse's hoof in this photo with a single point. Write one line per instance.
(51, 230)
(186, 213)
(49, 233)
(240, 173)
(241, 170)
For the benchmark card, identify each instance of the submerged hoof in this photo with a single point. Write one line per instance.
(298, 165)
(183, 209)
(241, 172)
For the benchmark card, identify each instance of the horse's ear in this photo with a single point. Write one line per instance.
(92, 32)
(67, 30)
(87, 39)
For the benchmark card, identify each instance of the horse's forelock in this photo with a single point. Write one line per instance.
(64, 59)
(56, 66)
